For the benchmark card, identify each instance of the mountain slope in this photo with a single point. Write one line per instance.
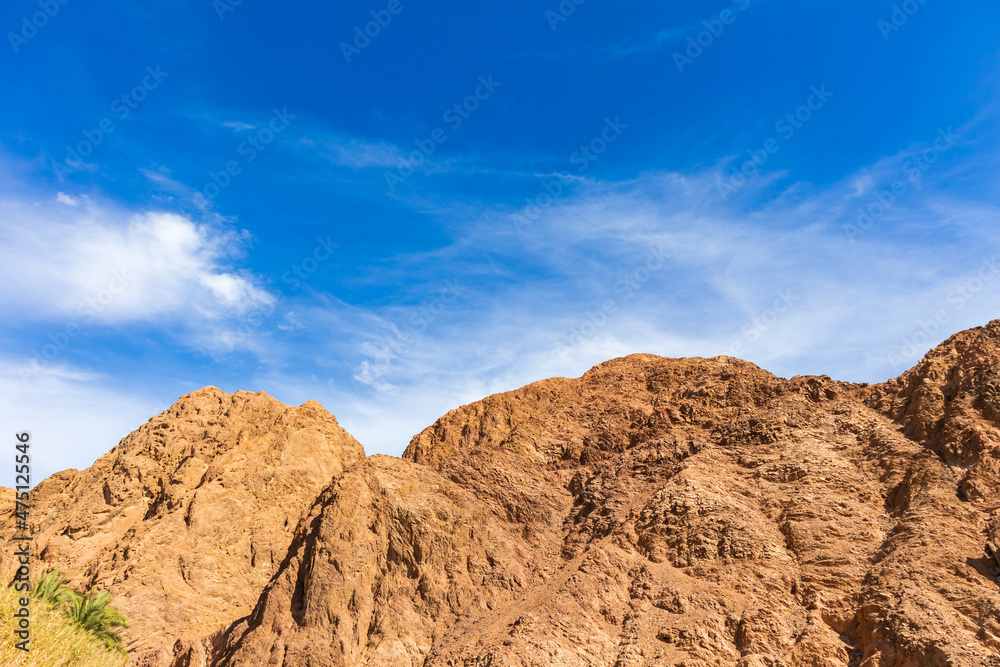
(696, 511)
(187, 519)
(652, 512)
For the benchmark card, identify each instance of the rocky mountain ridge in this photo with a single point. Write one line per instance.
(189, 516)
(652, 512)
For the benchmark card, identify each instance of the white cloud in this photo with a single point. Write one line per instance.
(290, 323)
(66, 199)
(783, 284)
(99, 264)
(532, 304)
(369, 374)
(171, 189)
(235, 291)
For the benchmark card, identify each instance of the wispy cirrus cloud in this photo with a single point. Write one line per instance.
(774, 278)
(238, 126)
(355, 153)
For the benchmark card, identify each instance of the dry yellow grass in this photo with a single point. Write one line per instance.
(55, 640)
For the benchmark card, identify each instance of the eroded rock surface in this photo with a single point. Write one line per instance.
(653, 512)
(663, 512)
(187, 519)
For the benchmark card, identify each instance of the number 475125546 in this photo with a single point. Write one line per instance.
(23, 469)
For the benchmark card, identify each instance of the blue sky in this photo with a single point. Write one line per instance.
(469, 198)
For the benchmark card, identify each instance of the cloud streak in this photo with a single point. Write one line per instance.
(769, 276)
(777, 282)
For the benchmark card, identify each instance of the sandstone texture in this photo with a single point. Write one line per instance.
(189, 517)
(655, 511)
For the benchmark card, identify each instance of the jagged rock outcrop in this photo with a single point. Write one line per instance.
(950, 403)
(390, 558)
(652, 512)
(188, 518)
(660, 512)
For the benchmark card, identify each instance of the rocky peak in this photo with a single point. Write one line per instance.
(652, 512)
(188, 517)
(549, 420)
(950, 402)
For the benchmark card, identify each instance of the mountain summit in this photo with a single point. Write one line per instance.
(187, 519)
(652, 512)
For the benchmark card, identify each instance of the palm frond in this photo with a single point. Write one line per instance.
(93, 612)
(51, 588)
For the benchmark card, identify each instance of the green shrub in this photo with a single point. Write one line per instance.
(51, 588)
(56, 641)
(93, 613)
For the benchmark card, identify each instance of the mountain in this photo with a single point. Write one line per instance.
(652, 512)
(189, 517)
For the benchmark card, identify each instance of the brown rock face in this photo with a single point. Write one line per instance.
(187, 519)
(950, 403)
(661, 512)
(653, 512)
